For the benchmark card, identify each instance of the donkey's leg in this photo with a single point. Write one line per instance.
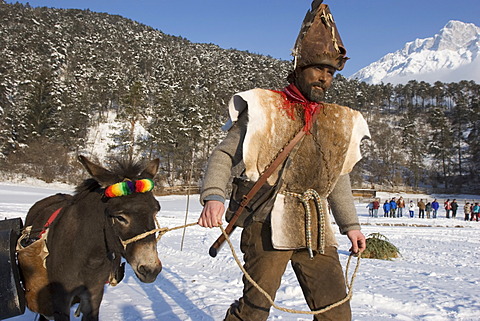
(61, 300)
(90, 303)
(61, 316)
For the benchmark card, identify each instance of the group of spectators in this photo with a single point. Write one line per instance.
(396, 208)
(472, 211)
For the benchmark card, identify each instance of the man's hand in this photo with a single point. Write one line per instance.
(212, 213)
(359, 244)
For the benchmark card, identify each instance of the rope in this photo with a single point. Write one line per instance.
(305, 198)
(349, 284)
(269, 298)
(160, 231)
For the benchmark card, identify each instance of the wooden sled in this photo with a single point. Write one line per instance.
(12, 296)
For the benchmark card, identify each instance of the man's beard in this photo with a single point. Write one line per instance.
(311, 92)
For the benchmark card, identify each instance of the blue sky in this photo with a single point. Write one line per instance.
(369, 28)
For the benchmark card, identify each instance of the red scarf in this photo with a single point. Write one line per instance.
(293, 97)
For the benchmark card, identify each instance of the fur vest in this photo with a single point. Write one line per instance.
(331, 149)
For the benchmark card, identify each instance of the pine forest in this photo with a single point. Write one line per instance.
(64, 72)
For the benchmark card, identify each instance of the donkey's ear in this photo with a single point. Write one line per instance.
(102, 175)
(152, 168)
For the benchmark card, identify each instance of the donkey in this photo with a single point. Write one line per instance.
(77, 241)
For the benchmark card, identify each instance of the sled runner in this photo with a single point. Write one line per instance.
(12, 296)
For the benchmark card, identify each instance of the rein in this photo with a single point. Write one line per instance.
(349, 284)
(128, 187)
(50, 221)
(160, 231)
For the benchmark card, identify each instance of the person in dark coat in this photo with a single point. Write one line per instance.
(428, 209)
(454, 206)
(475, 212)
(421, 209)
(370, 209)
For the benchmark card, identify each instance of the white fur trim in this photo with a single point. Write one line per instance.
(236, 105)
(359, 131)
(278, 223)
(257, 122)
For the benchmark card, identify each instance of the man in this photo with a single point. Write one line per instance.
(400, 206)
(370, 208)
(435, 207)
(454, 206)
(421, 209)
(264, 121)
(393, 207)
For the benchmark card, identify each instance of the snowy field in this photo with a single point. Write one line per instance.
(437, 278)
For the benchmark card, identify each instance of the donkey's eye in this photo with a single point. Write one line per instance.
(121, 219)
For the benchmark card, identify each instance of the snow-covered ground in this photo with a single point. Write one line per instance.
(437, 278)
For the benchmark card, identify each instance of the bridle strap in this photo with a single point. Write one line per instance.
(50, 221)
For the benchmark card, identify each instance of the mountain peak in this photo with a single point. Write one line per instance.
(444, 57)
(456, 24)
(456, 34)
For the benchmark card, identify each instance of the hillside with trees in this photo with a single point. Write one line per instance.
(63, 71)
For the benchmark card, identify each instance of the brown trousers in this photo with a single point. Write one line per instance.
(321, 279)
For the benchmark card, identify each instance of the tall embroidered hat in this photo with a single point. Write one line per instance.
(319, 41)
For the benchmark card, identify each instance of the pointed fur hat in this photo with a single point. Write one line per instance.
(319, 41)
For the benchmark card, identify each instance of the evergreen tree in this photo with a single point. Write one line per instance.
(459, 119)
(42, 107)
(413, 146)
(133, 108)
(440, 144)
(473, 139)
(6, 126)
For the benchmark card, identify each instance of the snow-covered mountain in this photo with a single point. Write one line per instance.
(451, 55)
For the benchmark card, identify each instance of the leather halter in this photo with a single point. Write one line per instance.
(50, 221)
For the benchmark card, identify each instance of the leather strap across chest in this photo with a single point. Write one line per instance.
(281, 157)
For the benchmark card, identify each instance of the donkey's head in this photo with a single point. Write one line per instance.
(131, 208)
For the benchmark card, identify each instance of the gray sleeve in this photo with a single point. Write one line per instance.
(342, 205)
(220, 163)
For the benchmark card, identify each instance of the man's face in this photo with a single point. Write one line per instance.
(313, 81)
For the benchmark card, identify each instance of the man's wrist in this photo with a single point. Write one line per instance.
(214, 197)
(350, 227)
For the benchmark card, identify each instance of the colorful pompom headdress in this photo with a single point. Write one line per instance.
(128, 187)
